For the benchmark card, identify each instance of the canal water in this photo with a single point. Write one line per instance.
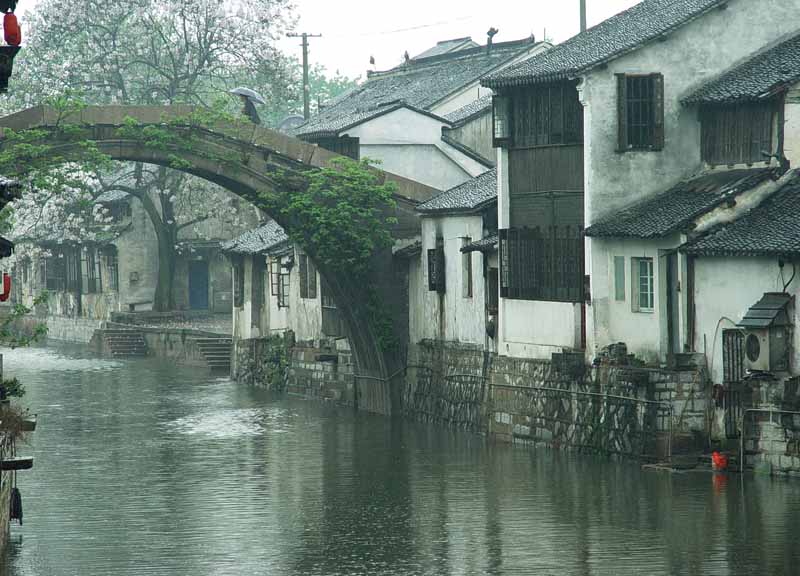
(147, 468)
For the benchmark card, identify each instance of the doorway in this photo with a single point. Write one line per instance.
(673, 305)
(198, 285)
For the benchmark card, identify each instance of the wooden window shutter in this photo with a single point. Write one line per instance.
(312, 279)
(658, 111)
(440, 276)
(303, 276)
(622, 113)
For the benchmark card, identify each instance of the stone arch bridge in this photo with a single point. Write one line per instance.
(244, 159)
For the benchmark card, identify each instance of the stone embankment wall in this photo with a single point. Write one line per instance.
(62, 328)
(620, 410)
(771, 426)
(561, 403)
(315, 369)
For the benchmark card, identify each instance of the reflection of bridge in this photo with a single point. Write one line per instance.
(245, 160)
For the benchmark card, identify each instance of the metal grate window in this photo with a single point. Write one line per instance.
(545, 266)
(640, 112)
(436, 268)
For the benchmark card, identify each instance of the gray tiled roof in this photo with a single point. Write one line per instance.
(756, 77)
(472, 109)
(488, 244)
(676, 209)
(419, 84)
(257, 241)
(770, 229)
(646, 21)
(466, 197)
(447, 46)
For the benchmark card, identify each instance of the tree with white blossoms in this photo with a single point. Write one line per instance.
(148, 52)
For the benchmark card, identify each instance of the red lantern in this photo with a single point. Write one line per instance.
(11, 30)
(6, 288)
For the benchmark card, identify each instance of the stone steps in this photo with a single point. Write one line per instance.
(125, 343)
(217, 352)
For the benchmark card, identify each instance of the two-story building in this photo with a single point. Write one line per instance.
(453, 273)
(428, 119)
(593, 127)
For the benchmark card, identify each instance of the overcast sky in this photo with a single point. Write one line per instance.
(354, 30)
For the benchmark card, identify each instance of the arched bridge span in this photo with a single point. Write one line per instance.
(245, 159)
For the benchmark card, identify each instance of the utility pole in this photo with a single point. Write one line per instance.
(583, 15)
(306, 88)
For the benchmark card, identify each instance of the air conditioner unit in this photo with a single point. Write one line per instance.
(767, 334)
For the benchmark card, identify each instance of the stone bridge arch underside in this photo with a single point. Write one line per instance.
(253, 156)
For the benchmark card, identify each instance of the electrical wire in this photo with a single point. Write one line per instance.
(794, 273)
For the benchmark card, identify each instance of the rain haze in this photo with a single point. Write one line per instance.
(357, 29)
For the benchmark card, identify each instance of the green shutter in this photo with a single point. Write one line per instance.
(619, 278)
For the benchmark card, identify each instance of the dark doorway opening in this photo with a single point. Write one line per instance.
(198, 285)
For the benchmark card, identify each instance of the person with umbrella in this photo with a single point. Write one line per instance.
(249, 99)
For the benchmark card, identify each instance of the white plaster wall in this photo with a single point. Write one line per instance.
(687, 58)
(530, 329)
(449, 316)
(792, 126)
(427, 164)
(403, 126)
(645, 333)
(724, 290)
(409, 144)
(304, 316)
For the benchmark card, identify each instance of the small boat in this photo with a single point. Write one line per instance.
(17, 463)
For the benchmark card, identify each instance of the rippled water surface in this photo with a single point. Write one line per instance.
(144, 467)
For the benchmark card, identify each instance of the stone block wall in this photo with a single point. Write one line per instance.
(320, 369)
(621, 410)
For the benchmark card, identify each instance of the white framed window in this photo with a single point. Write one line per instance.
(642, 291)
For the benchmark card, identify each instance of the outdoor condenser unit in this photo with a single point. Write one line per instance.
(767, 333)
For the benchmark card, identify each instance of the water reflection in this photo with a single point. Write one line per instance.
(146, 468)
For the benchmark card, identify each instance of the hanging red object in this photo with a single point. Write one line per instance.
(6, 287)
(11, 30)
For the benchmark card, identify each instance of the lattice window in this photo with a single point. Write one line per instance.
(547, 115)
(308, 277)
(542, 266)
(112, 267)
(436, 267)
(640, 102)
(643, 289)
(737, 134)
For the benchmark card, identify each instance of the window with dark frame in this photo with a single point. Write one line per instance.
(544, 266)
(238, 282)
(546, 115)
(92, 279)
(112, 267)
(436, 268)
(466, 269)
(279, 282)
(72, 262)
(308, 277)
(640, 112)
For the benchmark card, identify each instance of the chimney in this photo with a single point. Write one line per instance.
(583, 15)
(491, 34)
